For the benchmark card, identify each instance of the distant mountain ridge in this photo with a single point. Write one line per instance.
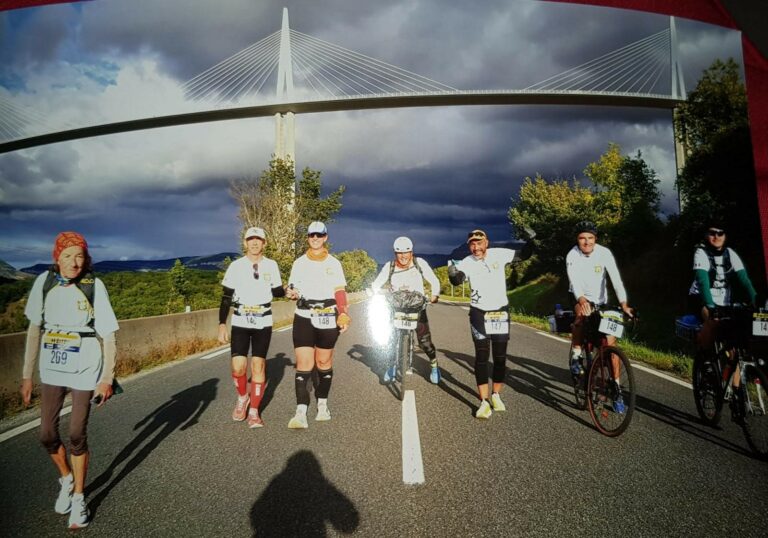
(214, 262)
(9, 274)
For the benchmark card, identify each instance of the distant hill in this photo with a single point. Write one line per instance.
(211, 263)
(9, 274)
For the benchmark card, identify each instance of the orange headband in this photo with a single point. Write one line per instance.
(66, 240)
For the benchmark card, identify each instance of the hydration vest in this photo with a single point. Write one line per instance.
(85, 283)
(392, 265)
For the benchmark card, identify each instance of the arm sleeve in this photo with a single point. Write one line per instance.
(226, 302)
(746, 284)
(525, 252)
(278, 291)
(613, 272)
(381, 278)
(341, 301)
(702, 279)
(573, 276)
(430, 276)
(109, 354)
(31, 351)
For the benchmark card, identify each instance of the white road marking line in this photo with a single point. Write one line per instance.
(29, 425)
(465, 308)
(413, 467)
(553, 337)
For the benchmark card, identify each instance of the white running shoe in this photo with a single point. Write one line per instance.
(322, 410)
(299, 420)
(79, 516)
(64, 500)
(484, 411)
(496, 402)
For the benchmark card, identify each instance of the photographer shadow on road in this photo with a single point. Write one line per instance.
(300, 501)
(180, 412)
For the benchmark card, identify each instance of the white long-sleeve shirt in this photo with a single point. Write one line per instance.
(408, 279)
(587, 274)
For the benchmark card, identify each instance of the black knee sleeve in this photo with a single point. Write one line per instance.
(302, 394)
(482, 352)
(426, 345)
(499, 361)
(324, 385)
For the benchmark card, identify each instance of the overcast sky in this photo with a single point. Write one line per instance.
(430, 173)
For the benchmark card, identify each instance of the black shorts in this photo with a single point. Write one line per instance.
(254, 340)
(305, 335)
(477, 324)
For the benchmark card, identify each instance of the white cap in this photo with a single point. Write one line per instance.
(403, 244)
(317, 227)
(255, 232)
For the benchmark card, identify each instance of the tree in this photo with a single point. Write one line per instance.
(552, 209)
(284, 208)
(180, 288)
(359, 269)
(719, 176)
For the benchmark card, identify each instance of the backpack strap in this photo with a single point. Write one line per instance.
(86, 284)
(392, 270)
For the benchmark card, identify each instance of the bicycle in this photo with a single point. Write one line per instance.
(606, 382)
(714, 372)
(406, 307)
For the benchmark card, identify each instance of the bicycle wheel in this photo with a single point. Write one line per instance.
(610, 405)
(579, 385)
(707, 389)
(754, 398)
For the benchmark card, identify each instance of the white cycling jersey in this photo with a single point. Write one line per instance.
(487, 278)
(409, 279)
(587, 274)
(251, 292)
(318, 280)
(67, 359)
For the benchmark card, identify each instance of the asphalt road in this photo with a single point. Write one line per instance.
(167, 460)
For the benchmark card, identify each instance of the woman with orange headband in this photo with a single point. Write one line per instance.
(67, 308)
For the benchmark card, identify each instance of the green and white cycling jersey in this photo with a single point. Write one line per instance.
(720, 287)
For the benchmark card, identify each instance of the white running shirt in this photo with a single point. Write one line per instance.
(409, 279)
(587, 275)
(318, 280)
(251, 292)
(487, 278)
(67, 309)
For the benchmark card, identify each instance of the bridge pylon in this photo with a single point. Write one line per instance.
(285, 132)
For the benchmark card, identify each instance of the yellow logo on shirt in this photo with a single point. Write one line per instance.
(495, 265)
(598, 269)
(328, 271)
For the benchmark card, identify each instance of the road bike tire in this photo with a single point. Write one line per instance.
(601, 392)
(707, 388)
(579, 385)
(754, 399)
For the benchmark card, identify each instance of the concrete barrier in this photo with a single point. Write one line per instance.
(141, 340)
(138, 340)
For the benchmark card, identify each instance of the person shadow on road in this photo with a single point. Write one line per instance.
(300, 500)
(182, 411)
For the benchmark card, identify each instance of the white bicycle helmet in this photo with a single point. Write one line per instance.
(403, 244)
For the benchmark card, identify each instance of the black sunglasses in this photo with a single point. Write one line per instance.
(315, 235)
(256, 271)
(718, 233)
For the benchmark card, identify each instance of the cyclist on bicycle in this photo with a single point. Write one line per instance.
(588, 264)
(407, 272)
(489, 311)
(716, 270)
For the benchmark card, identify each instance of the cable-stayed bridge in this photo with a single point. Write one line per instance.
(289, 72)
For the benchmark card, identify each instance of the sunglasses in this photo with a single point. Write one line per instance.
(256, 271)
(716, 233)
(315, 235)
